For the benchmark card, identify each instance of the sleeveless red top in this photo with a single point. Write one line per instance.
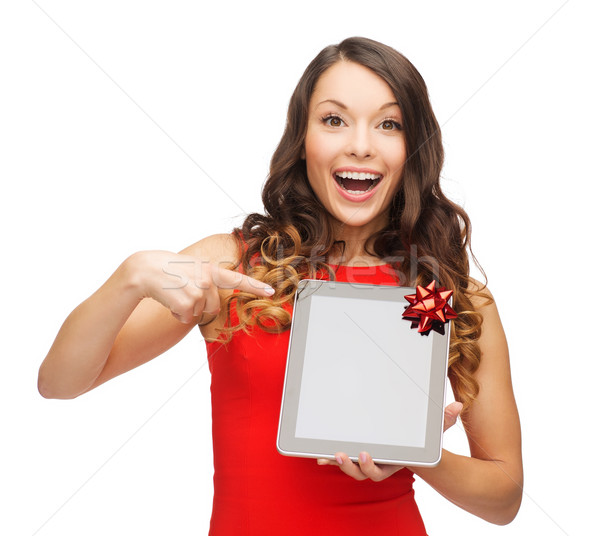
(259, 492)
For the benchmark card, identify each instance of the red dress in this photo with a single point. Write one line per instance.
(259, 492)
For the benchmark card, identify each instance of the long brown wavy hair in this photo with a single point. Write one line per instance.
(427, 236)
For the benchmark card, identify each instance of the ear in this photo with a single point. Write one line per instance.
(303, 154)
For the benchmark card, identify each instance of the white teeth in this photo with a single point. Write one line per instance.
(358, 192)
(357, 176)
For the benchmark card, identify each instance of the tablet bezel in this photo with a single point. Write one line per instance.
(290, 445)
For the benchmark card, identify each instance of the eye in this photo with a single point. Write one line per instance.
(332, 120)
(390, 124)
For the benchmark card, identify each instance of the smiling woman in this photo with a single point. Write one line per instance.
(354, 147)
(353, 194)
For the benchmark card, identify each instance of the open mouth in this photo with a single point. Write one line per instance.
(357, 183)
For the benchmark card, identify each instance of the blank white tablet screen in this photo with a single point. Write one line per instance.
(366, 374)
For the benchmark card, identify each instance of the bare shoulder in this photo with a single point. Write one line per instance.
(492, 340)
(480, 295)
(221, 249)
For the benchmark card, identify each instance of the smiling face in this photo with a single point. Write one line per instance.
(354, 147)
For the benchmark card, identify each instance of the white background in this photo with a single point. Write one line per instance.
(147, 125)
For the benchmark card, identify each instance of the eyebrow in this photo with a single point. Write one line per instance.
(344, 107)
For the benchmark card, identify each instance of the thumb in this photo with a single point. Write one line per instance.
(451, 413)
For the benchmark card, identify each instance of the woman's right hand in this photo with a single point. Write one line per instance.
(188, 286)
(116, 329)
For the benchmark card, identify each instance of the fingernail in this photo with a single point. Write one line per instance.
(339, 460)
(269, 290)
(363, 457)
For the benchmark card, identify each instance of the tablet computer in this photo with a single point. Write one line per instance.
(359, 377)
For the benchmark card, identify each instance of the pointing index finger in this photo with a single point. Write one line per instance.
(229, 279)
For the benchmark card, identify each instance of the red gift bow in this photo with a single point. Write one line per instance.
(429, 308)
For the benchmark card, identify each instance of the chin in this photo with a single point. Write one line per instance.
(354, 218)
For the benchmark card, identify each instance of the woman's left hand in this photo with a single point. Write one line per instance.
(366, 468)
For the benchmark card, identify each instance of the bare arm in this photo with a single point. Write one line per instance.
(488, 484)
(82, 346)
(147, 305)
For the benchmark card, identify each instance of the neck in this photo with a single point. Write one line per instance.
(355, 240)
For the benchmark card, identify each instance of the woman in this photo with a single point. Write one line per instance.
(353, 194)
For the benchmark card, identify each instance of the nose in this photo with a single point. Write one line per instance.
(360, 144)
